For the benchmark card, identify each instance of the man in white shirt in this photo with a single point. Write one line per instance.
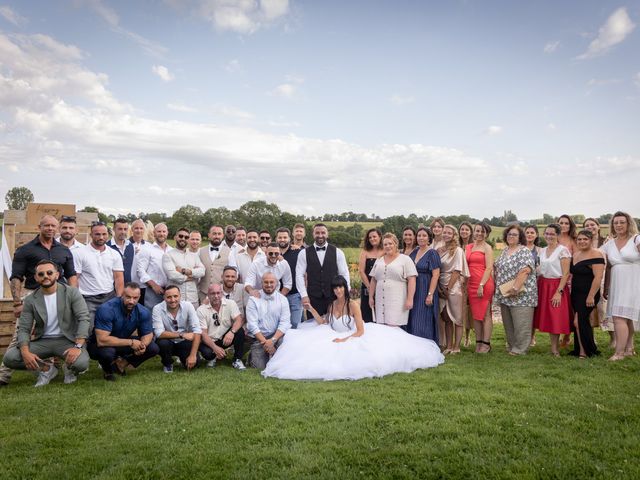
(68, 232)
(241, 237)
(177, 330)
(321, 262)
(243, 257)
(149, 266)
(273, 264)
(268, 319)
(138, 242)
(183, 268)
(221, 323)
(195, 240)
(53, 323)
(232, 289)
(99, 270)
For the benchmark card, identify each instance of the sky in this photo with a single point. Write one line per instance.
(380, 107)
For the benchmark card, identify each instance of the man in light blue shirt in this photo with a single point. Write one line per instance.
(177, 330)
(268, 319)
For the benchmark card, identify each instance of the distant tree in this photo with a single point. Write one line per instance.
(547, 219)
(17, 198)
(578, 219)
(187, 216)
(605, 219)
(101, 216)
(509, 216)
(259, 214)
(216, 216)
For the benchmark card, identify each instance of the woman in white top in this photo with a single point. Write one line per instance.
(393, 284)
(553, 314)
(622, 282)
(340, 346)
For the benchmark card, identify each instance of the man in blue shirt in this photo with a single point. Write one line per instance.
(114, 344)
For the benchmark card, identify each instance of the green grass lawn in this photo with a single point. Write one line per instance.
(491, 416)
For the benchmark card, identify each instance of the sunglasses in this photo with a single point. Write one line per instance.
(98, 224)
(48, 273)
(183, 237)
(265, 238)
(274, 254)
(216, 319)
(68, 218)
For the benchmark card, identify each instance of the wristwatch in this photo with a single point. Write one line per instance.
(79, 345)
(180, 335)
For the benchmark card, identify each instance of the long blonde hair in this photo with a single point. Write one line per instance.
(452, 244)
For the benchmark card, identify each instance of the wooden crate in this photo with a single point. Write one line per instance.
(7, 324)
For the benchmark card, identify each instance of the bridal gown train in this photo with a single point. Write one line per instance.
(309, 352)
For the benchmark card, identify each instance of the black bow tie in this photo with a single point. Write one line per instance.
(321, 248)
(211, 249)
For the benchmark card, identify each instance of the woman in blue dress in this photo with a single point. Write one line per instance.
(423, 318)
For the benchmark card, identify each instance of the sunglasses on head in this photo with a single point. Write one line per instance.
(68, 218)
(98, 224)
(47, 273)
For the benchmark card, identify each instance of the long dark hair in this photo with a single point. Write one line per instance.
(572, 225)
(409, 227)
(340, 281)
(367, 244)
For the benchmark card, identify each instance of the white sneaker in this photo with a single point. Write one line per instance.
(168, 369)
(45, 377)
(211, 363)
(69, 375)
(238, 365)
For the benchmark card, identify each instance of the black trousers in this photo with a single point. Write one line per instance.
(238, 346)
(181, 349)
(107, 355)
(321, 304)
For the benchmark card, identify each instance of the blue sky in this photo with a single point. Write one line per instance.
(386, 107)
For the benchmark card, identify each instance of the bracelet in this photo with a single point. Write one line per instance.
(131, 344)
(17, 304)
(430, 294)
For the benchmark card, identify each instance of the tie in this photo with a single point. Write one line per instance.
(211, 249)
(227, 296)
(320, 248)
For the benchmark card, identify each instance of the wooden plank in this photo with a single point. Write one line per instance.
(35, 211)
(15, 217)
(7, 328)
(85, 218)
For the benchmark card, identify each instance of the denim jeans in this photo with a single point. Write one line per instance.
(295, 308)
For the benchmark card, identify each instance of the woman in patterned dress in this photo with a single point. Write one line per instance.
(516, 264)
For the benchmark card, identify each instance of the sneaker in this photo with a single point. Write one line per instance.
(109, 377)
(45, 377)
(69, 375)
(238, 365)
(211, 363)
(168, 369)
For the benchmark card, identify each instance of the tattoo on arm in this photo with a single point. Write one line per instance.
(16, 289)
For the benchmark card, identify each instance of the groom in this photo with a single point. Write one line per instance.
(321, 262)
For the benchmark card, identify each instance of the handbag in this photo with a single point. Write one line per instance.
(505, 288)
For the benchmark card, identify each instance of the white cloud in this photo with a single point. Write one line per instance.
(180, 107)
(110, 16)
(233, 66)
(241, 16)
(284, 90)
(600, 82)
(232, 112)
(551, 126)
(283, 124)
(551, 47)
(617, 27)
(493, 130)
(401, 99)
(162, 72)
(12, 16)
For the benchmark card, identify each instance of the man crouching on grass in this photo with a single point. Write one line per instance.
(177, 330)
(59, 319)
(114, 345)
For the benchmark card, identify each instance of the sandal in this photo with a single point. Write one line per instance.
(629, 353)
(616, 358)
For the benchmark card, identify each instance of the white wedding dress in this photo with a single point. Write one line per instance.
(309, 352)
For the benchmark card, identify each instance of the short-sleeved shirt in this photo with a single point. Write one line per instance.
(551, 266)
(228, 312)
(112, 317)
(28, 255)
(95, 269)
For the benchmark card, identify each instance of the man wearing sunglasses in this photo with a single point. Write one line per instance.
(23, 281)
(265, 239)
(53, 323)
(183, 268)
(221, 323)
(274, 264)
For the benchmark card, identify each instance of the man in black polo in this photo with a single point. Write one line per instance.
(23, 268)
(321, 262)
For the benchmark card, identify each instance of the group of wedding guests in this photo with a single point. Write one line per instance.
(442, 279)
(124, 300)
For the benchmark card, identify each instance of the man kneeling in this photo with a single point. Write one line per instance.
(57, 318)
(114, 344)
(221, 323)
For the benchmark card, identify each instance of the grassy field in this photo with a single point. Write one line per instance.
(491, 416)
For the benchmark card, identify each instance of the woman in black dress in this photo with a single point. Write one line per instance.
(587, 268)
(371, 251)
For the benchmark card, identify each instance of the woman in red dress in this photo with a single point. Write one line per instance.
(480, 286)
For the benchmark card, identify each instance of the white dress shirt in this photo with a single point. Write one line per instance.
(281, 270)
(240, 259)
(186, 320)
(268, 314)
(238, 295)
(149, 264)
(95, 269)
(301, 267)
(185, 259)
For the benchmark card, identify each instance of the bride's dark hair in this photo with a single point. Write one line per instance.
(340, 281)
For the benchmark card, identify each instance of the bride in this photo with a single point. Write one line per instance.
(340, 346)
